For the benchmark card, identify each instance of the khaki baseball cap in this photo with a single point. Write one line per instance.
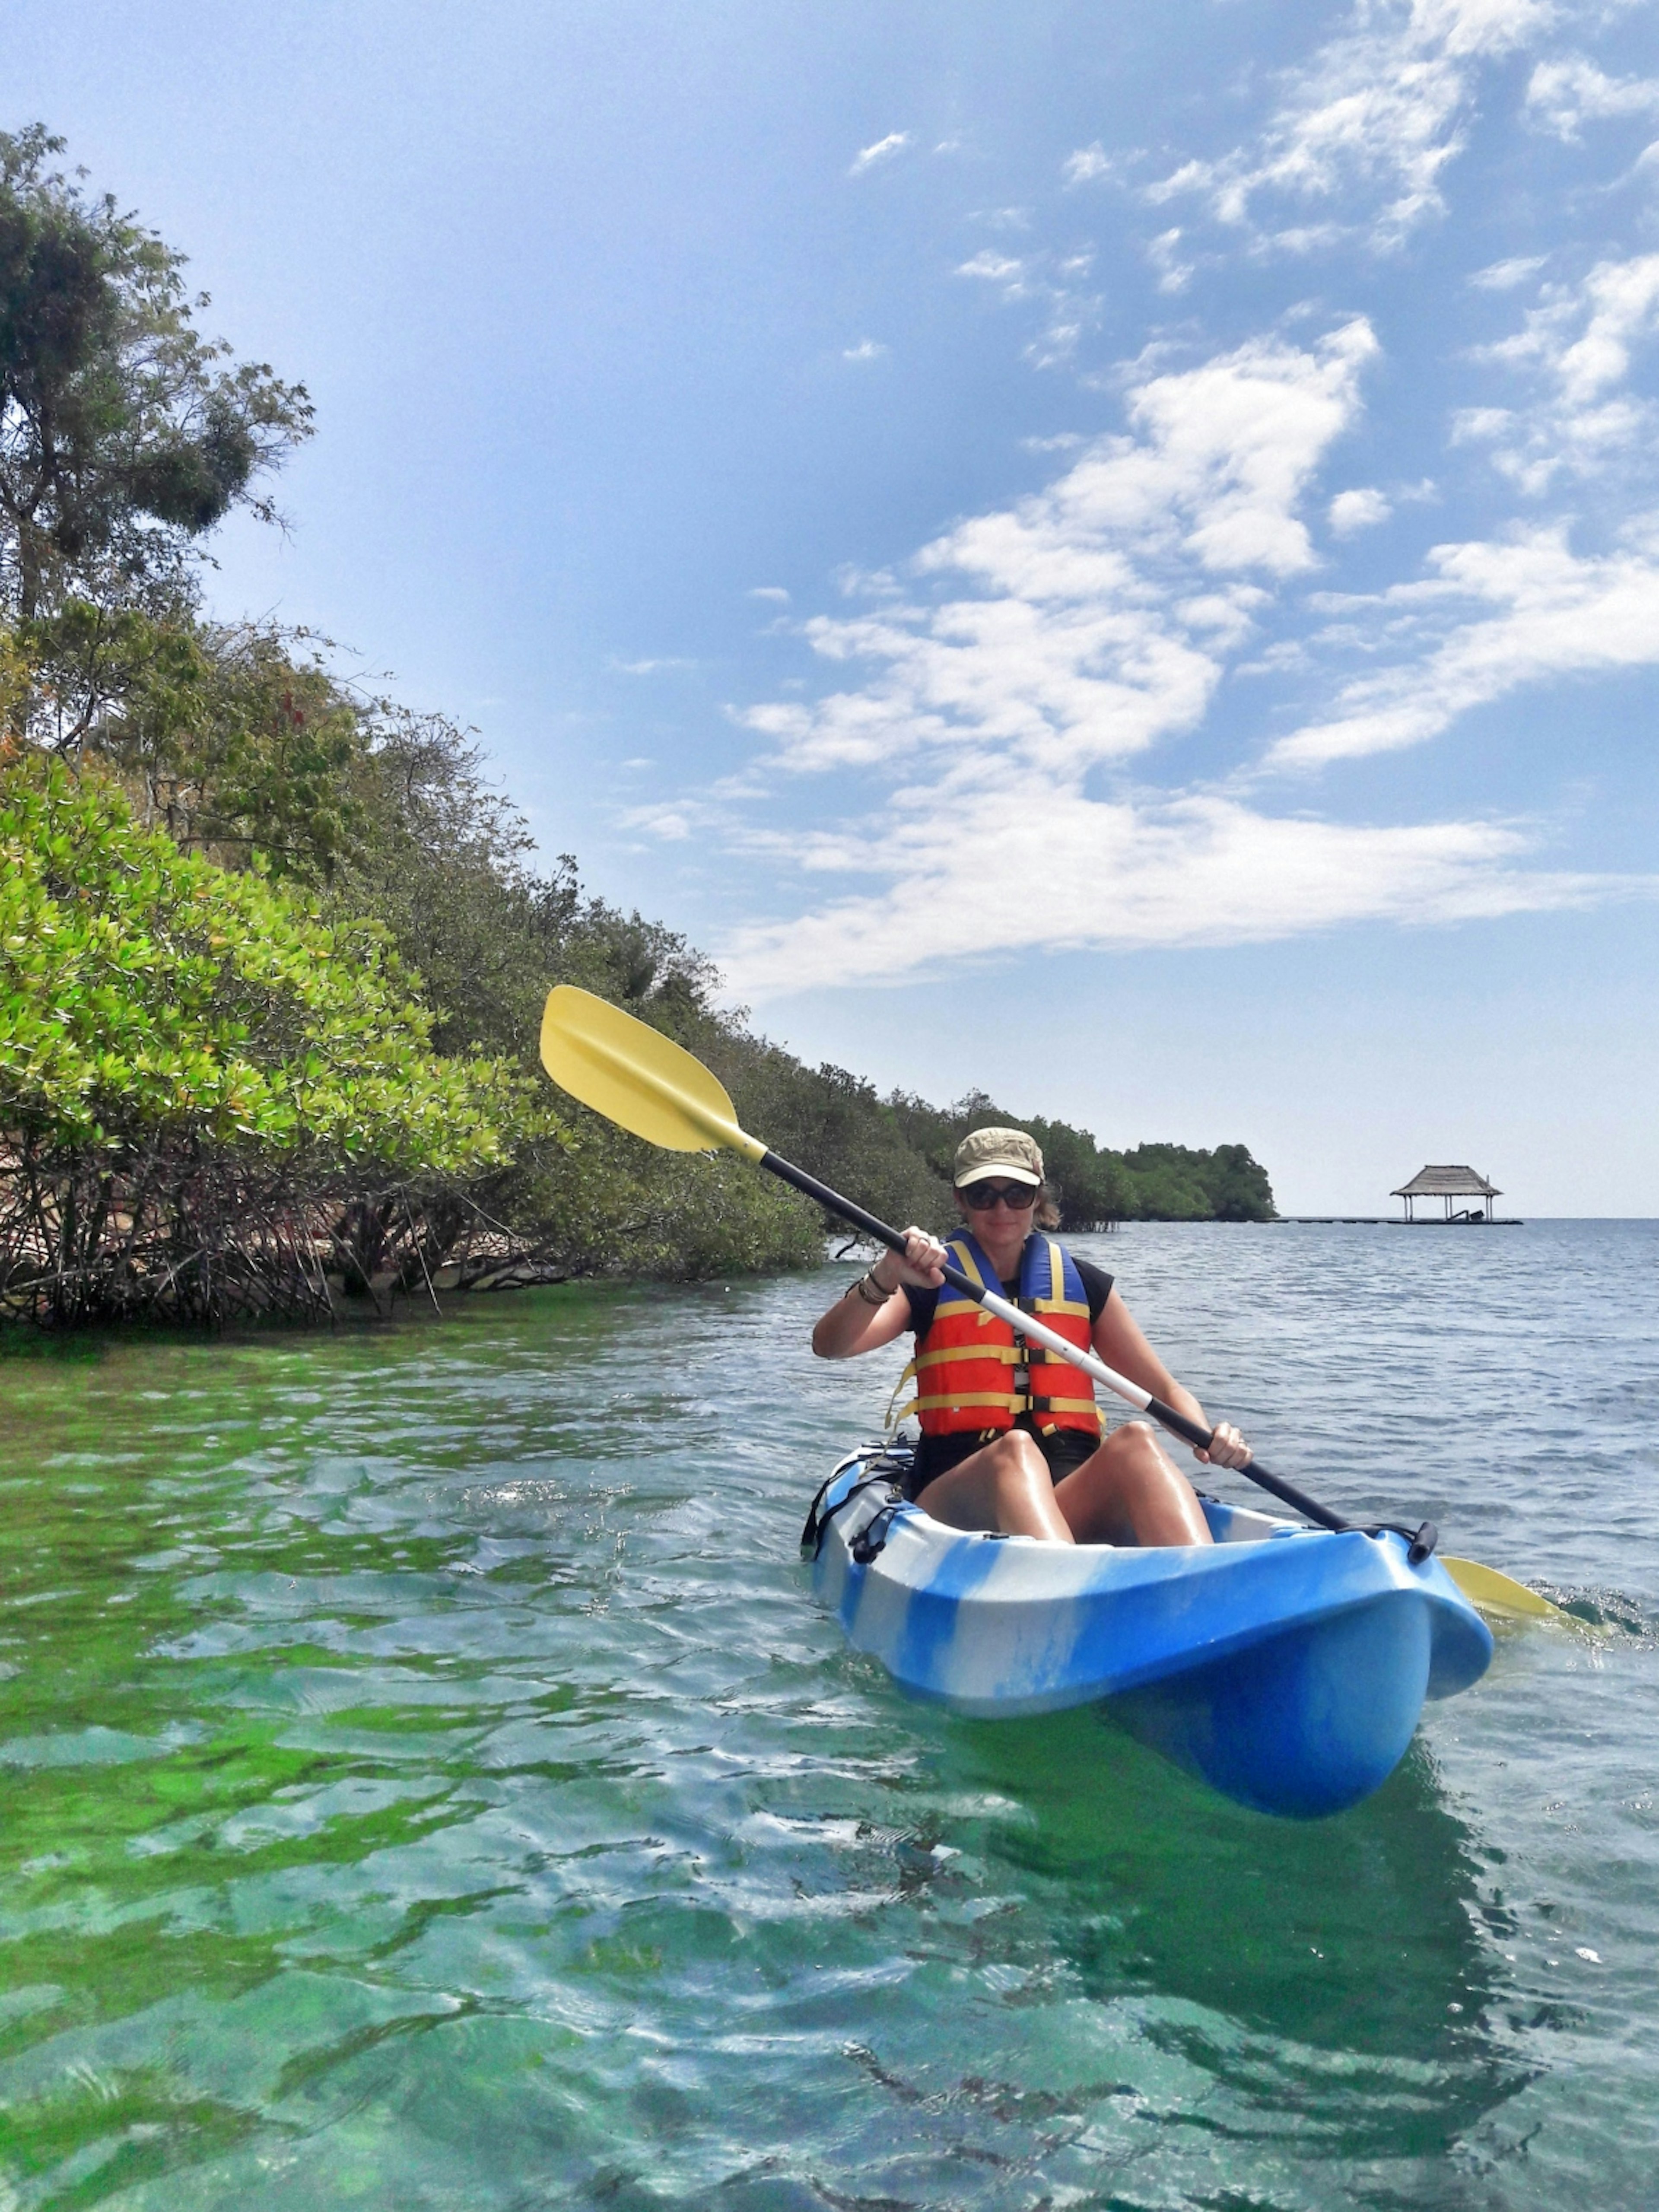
(997, 1152)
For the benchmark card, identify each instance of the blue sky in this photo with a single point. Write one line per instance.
(1107, 553)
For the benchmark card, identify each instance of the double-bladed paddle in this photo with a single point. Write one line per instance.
(653, 1087)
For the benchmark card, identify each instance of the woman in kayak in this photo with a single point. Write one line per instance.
(1011, 1438)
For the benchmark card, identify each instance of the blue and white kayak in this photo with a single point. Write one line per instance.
(1286, 1666)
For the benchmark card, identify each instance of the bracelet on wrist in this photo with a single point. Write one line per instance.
(870, 1290)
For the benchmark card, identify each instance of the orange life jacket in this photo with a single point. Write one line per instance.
(973, 1372)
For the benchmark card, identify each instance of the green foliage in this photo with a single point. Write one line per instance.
(1095, 1186)
(225, 738)
(147, 993)
(187, 978)
(835, 1125)
(1169, 1183)
(124, 437)
(241, 743)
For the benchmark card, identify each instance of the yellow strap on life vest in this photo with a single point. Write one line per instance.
(950, 1296)
(891, 1420)
(927, 1405)
(1009, 1354)
(1012, 1399)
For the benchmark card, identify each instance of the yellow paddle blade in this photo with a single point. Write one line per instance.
(635, 1077)
(1494, 1593)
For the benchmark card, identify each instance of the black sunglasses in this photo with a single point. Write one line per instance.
(982, 1196)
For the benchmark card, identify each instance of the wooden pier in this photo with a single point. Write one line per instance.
(1444, 1183)
(1393, 1221)
(1447, 1183)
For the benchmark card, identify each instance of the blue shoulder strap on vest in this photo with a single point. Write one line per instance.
(1036, 1269)
(1036, 1272)
(964, 1249)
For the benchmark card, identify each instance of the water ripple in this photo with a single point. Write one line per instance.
(429, 1781)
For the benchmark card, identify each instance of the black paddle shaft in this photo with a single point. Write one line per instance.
(1422, 1540)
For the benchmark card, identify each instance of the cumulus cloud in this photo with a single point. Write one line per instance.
(1052, 281)
(1173, 274)
(1490, 619)
(1038, 719)
(1066, 872)
(1578, 344)
(1097, 619)
(1505, 276)
(669, 824)
(1564, 95)
(1361, 509)
(884, 150)
(1089, 164)
(1364, 129)
(994, 268)
(1098, 609)
(866, 350)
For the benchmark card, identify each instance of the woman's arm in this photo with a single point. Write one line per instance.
(853, 1325)
(1119, 1340)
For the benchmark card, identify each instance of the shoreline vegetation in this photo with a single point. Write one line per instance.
(273, 950)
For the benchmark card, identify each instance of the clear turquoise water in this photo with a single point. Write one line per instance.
(428, 1781)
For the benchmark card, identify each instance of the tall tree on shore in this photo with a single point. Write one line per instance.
(125, 433)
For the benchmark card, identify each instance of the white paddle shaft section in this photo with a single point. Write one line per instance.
(1040, 1333)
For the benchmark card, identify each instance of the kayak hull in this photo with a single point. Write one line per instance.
(1286, 1666)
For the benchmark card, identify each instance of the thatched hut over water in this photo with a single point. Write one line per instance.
(1448, 1183)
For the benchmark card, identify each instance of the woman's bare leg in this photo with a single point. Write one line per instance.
(1131, 1493)
(1005, 1486)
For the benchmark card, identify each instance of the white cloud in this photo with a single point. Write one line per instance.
(770, 591)
(1621, 299)
(1163, 253)
(1361, 509)
(994, 694)
(1365, 128)
(1099, 618)
(994, 268)
(1541, 612)
(1052, 283)
(1563, 94)
(883, 151)
(1505, 276)
(866, 350)
(1097, 608)
(1579, 341)
(669, 662)
(1196, 870)
(1090, 163)
(672, 826)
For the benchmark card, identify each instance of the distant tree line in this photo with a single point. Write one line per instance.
(273, 949)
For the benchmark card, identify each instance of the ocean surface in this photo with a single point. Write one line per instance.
(428, 1781)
